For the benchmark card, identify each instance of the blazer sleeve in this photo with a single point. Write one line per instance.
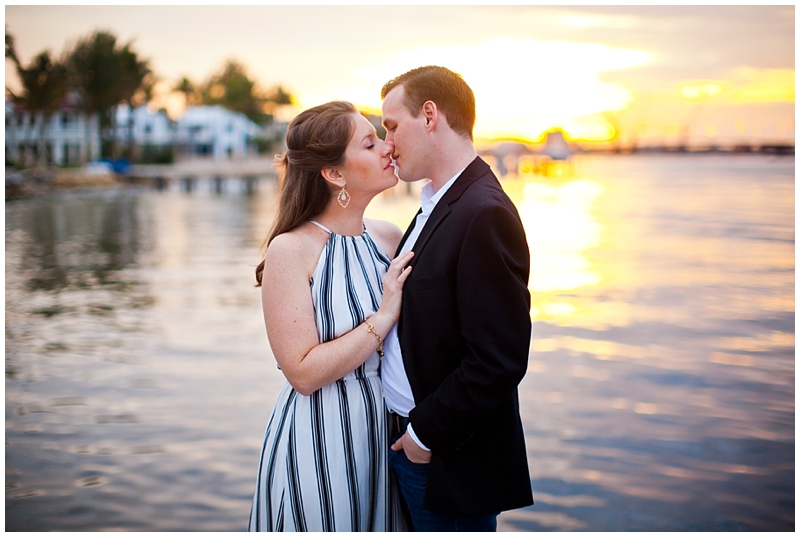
(494, 316)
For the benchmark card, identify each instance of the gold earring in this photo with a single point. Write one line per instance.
(344, 198)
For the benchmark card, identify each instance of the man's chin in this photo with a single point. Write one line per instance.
(406, 178)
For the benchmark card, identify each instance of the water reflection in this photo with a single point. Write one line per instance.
(560, 228)
(660, 386)
(655, 371)
(57, 252)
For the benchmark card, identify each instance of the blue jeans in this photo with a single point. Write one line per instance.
(413, 479)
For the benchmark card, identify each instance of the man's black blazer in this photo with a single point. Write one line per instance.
(465, 332)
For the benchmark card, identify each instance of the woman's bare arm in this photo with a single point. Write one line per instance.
(291, 329)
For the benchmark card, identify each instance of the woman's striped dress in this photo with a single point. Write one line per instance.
(323, 464)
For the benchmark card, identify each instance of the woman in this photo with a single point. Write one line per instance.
(330, 296)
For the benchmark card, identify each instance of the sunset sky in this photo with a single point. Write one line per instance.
(708, 74)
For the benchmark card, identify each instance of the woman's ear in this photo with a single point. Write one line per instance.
(333, 176)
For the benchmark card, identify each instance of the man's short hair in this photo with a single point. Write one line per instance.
(447, 89)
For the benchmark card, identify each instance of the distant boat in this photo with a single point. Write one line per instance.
(555, 146)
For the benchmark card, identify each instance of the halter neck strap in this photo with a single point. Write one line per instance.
(321, 226)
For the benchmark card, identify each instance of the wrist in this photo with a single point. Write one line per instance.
(371, 330)
(417, 441)
(381, 322)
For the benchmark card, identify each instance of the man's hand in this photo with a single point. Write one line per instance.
(414, 453)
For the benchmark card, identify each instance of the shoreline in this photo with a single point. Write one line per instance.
(33, 182)
(41, 181)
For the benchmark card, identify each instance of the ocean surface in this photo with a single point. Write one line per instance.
(660, 393)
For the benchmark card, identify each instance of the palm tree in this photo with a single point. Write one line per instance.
(135, 78)
(44, 85)
(11, 51)
(106, 75)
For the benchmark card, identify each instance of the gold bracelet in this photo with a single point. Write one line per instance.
(380, 339)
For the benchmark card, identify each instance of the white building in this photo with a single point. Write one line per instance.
(146, 126)
(70, 136)
(213, 131)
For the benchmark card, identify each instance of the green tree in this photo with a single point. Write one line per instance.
(135, 86)
(189, 91)
(233, 89)
(107, 75)
(135, 76)
(275, 97)
(280, 96)
(11, 51)
(45, 83)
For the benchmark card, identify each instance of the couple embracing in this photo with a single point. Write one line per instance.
(402, 352)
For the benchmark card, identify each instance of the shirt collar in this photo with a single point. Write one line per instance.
(429, 196)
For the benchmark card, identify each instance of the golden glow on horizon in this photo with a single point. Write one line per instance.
(560, 88)
(523, 87)
(699, 91)
(765, 86)
(534, 68)
(748, 86)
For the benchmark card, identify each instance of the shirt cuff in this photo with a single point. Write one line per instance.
(413, 436)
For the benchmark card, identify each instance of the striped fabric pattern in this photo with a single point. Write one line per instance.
(324, 459)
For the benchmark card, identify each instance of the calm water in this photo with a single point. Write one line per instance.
(660, 391)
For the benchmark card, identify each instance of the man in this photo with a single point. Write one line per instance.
(460, 349)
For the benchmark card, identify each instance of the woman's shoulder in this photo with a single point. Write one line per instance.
(382, 227)
(387, 234)
(300, 246)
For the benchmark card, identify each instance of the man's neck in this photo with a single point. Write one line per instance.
(452, 159)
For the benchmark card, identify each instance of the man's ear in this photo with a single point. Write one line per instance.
(431, 114)
(333, 176)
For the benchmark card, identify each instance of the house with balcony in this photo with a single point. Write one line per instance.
(143, 125)
(68, 137)
(217, 133)
(147, 133)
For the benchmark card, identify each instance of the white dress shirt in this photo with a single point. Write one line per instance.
(396, 388)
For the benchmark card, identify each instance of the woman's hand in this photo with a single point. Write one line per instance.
(393, 282)
(290, 319)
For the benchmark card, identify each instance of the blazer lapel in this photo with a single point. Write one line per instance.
(407, 233)
(476, 169)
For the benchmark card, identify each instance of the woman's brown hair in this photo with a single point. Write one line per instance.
(315, 139)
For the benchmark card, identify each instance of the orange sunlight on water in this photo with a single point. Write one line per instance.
(560, 227)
